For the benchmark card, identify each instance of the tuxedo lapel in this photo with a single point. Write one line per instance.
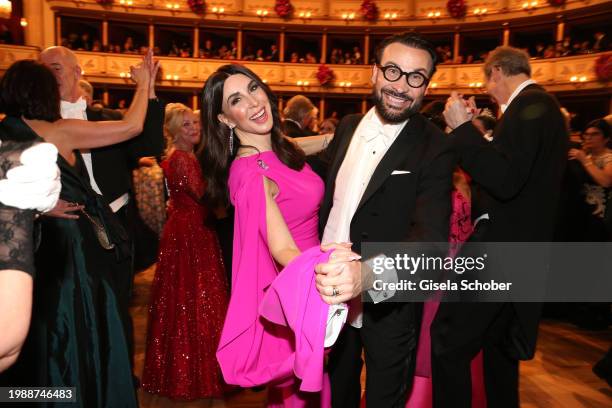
(93, 115)
(397, 153)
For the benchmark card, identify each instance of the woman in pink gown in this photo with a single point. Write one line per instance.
(460, 230)
(275, 328)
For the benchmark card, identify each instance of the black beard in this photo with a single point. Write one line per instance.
(391, 116)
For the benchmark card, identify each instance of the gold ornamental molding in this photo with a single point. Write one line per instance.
(10, 54)
(556, 74)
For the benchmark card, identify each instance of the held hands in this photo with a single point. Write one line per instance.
(459, 110)
(144, 73)
(339, 280)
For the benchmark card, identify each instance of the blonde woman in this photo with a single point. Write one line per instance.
(189, 293)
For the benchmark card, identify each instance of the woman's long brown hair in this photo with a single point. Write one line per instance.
(214, 151)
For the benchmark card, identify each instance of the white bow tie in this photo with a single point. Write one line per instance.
(73, 110)
(374, 130)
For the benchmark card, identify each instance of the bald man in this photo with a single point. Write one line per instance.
(109, 168)
(67, 71)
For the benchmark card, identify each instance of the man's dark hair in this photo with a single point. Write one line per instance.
(412, 40)
(602, 125)
(29, 89)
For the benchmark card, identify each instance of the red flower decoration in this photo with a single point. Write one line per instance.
(283, 8)
(456, 8)
(369, 10)
(556, 3)
(603, 67)
(325, 75)
(105, 3)
(197, 6)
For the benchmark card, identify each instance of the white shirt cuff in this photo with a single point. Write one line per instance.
(336, 317)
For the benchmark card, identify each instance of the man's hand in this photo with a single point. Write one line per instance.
(339, 282)
(141, 73)
(154, 70)
(458, 110)
(342, 252)
(64, 209)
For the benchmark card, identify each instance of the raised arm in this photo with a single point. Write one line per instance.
(602, 176)
(70, 134)
(313, 144)
(503, 166)
(151, 141)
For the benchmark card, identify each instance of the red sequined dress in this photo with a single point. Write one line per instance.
(189, 293)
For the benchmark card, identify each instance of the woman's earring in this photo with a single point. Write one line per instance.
(231, 140)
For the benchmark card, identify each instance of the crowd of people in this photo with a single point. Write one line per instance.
(567, 47)
(340, 56)
(85, 42)
(277, 301)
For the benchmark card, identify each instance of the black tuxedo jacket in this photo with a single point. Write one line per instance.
(291, 129)
(407, 207)
(522, 171)
(113, 165)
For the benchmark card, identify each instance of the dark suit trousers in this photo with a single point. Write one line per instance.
(458, 332)
(389, 338)
(344, 367)
(122, 282)
(390, 335)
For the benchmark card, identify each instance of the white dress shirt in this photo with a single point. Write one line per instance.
(78, 110)
(518, 89)
(368, 146)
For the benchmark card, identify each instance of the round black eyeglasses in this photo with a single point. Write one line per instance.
(393, 74)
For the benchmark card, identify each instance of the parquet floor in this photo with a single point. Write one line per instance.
(559, 376)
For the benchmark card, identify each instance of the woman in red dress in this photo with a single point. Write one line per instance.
(189, 293)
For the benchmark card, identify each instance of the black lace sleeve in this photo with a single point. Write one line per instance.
(16, 225)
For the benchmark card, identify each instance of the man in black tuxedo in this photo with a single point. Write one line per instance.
(521, 170)
(109, 168)
(390, 181)
(299, 117)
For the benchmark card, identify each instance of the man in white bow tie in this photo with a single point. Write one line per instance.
(109, 168)
(390, 181)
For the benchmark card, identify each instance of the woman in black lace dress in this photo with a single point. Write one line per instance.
(32, 183)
